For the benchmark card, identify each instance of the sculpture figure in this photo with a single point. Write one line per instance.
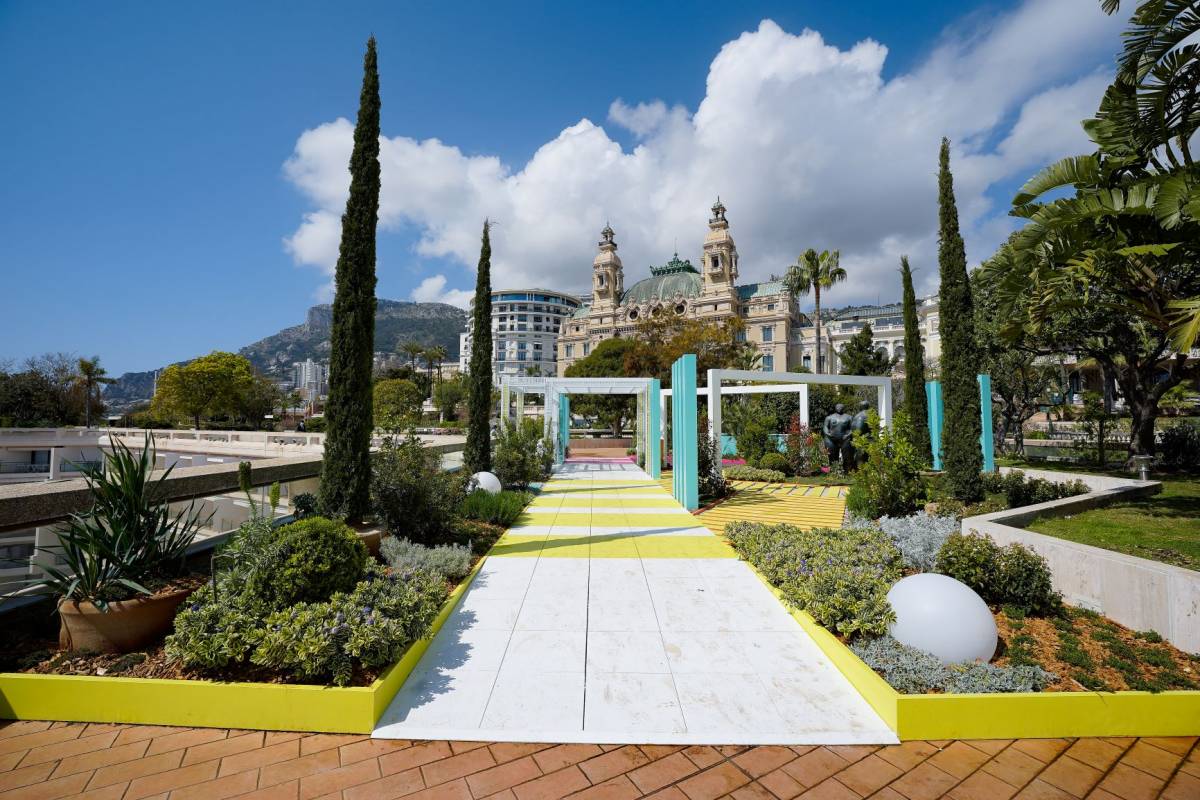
(859, 425)
(835, 435)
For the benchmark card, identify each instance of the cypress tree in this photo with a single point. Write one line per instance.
(915, 402)
(477, 454)
(346, 471)
(960, 433)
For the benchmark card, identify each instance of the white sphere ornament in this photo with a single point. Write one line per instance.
(486, 481)
(942, 616)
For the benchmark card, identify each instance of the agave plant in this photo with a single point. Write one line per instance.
(127, 538)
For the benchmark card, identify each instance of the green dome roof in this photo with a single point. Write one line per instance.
(676, 277)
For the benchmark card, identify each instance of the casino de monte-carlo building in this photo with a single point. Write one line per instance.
(710, 292)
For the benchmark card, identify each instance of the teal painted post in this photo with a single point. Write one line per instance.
(654, 451)
(685, 480)
(933, 394)
(564, 425)
(987, 441)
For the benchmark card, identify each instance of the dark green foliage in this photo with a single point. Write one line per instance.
(963, 460)
(304, 505)
(753, 443)
(1149, 636)
(127, 540)
(502, 508)
(1180, 447)
(607, 360)
(411, 494)
(916, 405)
(775, 461)
(841, 578)
(1013, 575)
(346, 471)
(805, 453)
(1019, 490)
(523, 456)
(477, 455)
(307, 561)
(861, 356)
(889, 483)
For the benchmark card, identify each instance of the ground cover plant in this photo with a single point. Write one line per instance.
(912, 671)
(841, 578)
(502, 508)
(748, 473)
(452, 562)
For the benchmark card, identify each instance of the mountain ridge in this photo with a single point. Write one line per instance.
(396, 321)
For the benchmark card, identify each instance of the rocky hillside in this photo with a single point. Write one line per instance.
(395, 322)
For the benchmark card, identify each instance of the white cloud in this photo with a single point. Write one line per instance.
(433, 290)
(807, 144)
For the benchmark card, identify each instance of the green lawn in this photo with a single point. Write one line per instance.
(1165, 527)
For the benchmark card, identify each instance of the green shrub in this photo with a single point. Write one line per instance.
(841, 578)
(1021, 491)
(754, 442)
(712, 484)
(776, 462)
(307, 561)
(314, 425)
(412, 495)
(805, 452)
(304, 505)
(1013, 575)
(749, 473)
(889, 483)
(521, 455)
(502, 508)
(451, 562)
(1180, 447)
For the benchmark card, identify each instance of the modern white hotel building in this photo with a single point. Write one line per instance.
(525, 327)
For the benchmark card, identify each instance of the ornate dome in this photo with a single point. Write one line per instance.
(676, 278)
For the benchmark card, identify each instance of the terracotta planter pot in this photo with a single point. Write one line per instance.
(370, 534)
(128, 625)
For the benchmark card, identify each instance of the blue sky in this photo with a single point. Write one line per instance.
(147, 206)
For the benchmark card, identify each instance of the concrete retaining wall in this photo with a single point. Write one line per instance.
(1136, 592)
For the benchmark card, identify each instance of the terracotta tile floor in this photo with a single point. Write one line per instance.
(126, 762)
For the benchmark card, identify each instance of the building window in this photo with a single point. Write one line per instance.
(807, 361)
(587, 348)
(768, 333)
(770, 306)
(741, 336)
(570, 351)
(768, 363)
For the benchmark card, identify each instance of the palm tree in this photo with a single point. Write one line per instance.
(438, 354)
(90, 375)
(813, 272)
(413, 350)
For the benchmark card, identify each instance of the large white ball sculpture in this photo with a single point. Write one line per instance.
(940, 615)
(486, 481)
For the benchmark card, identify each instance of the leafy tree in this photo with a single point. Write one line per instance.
(397, 404)
(1111, 271)
(861, 356)
(960, 359)
(346, 470)
(27, 399)
(211, 384)
(477, 453)
(815, 272)
(258, 397)
(447, 396)
(435, 356)
(90, 377)
(661, 340)
(607, 360)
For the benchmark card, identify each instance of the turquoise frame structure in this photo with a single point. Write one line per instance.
(937, 417)
(557, 404)
(685, 484)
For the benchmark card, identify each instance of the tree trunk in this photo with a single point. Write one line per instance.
(1141, 426)
(817, 323)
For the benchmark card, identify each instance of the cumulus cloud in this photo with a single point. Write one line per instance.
(806, 143)
(433, 290)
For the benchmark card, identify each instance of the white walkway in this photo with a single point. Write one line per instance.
(608, 616)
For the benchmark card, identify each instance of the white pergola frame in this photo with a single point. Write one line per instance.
(552, 389)
(783, 382)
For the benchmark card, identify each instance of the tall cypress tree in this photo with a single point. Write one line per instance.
(961, 430)
(915, 402)
(477, 454)
(346, 471)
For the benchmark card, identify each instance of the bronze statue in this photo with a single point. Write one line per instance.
(859, 425)
(835, 435)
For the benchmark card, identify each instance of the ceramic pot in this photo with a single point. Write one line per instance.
(128, 625)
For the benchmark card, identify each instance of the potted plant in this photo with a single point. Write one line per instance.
(114, 568)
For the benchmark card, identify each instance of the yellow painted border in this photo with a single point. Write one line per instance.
(1005, 716)
(217, 704)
